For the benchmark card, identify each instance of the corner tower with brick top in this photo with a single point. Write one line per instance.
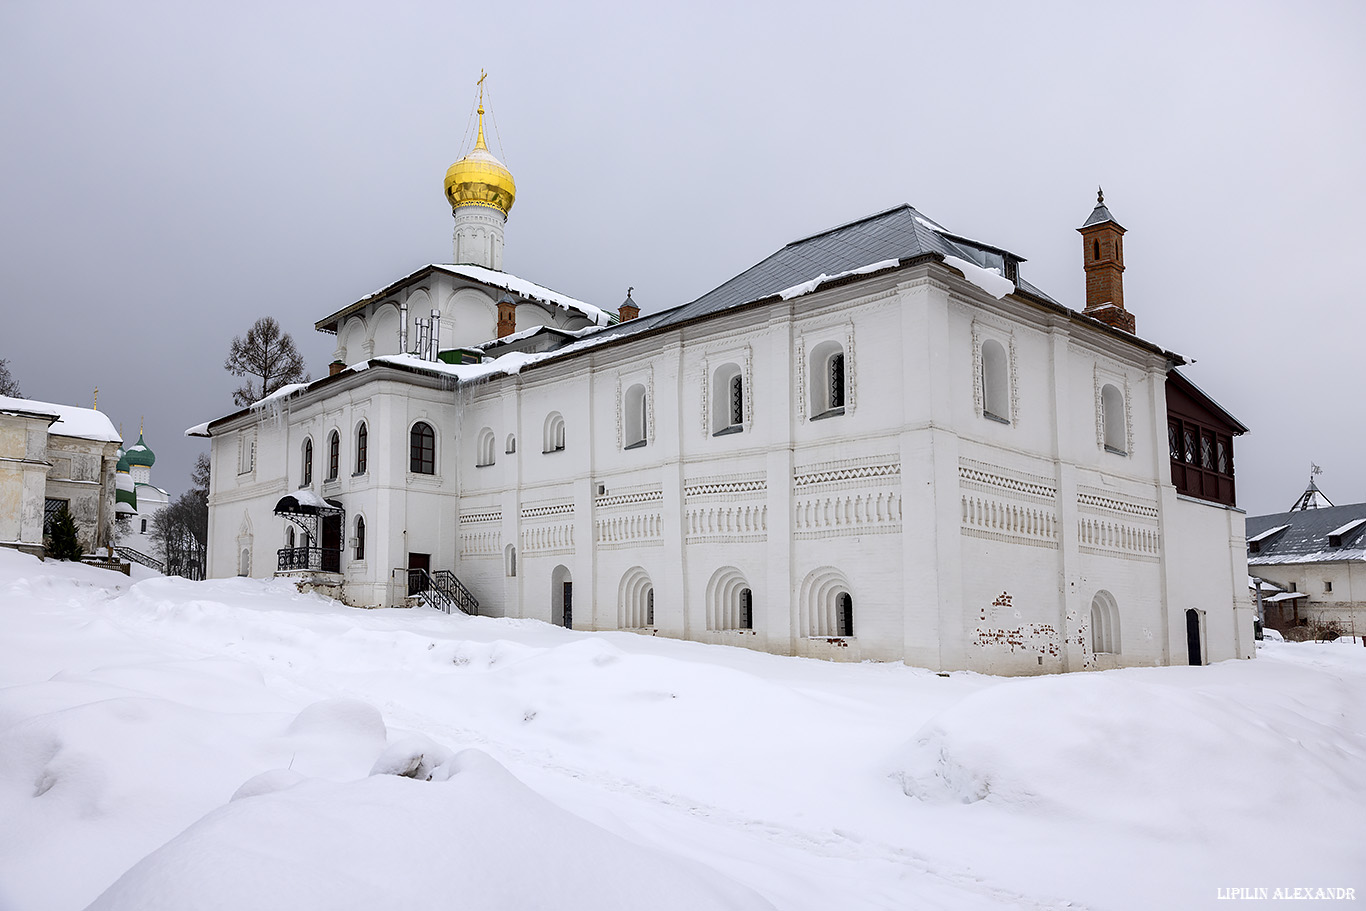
(1103, 256)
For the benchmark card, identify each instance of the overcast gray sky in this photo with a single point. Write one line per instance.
(173, 171)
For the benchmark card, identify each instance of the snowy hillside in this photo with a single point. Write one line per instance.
(233, 744)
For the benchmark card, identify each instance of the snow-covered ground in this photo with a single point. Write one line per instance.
(233, 744)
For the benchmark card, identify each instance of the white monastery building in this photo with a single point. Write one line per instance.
(882, 442)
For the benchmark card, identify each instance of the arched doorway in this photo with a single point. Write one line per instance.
(1194, 652)
(562, 598)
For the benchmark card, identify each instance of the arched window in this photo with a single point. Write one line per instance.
(333, 456)
(562, 597)
(510, 559)
(827, 605)
(1095, 249)
(511, 444)
(636, 603)
(728, 400)
(289, 537)
(306, 470)
(1104, 624)
(1112, 418)
(485, 454)
(829, 381)
(244, 563)
(422, 449)
(554, 432)
(636, 411)
(730, 603)
(844, 614)
(995, 381)
(360, 538)
(144, 527)
(362, 447)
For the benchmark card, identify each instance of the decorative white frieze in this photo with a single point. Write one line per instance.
(1004, 505)
(1117, 539)
(545, 510)
(629, 518)
(726, 522)
(981, 476)
(862, 472)
(854, 512)
(1090, 499)
(557, 538)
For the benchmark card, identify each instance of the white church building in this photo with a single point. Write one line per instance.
(881, 442)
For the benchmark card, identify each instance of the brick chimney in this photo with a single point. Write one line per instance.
(1103, 258)
(628, 309)
(335, 367)
(507, 315)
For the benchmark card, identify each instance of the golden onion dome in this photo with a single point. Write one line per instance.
(479, 179)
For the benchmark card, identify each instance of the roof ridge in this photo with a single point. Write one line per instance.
(850, 224)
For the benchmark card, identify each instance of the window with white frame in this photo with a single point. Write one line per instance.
(306, 471)
(1104, 624)
(995, 381)
(829, 380)
(422, 449)
(511, 445)
(362, 448)
(1113, 420)
(635, 416)
(484, 458)
(333, 456)
(246, 453)
(728, 400)
(554, 432)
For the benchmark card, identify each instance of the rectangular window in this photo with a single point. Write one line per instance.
(1207, 451)
(246, 453)
(1327, 586)
(1189, 433)
(1173, 438)
(51, 507)
(1223, 457)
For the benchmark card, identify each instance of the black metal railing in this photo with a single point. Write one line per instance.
(318, 559)
(138, 556)
(442, 590)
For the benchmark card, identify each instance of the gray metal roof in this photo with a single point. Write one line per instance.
(1099, 216)
(899, 234)
(1305, 540)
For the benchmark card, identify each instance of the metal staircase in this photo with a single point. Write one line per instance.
(139, 557)
(443, 591)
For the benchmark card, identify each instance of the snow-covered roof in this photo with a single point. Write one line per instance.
(989, 280)
(1343, 531)
(1287, 596)
(493, 278)
(811, 285)
(525, 289)
(80, 423)
(283, 392)
(1333, 534)
(1266, 534)
(1267, 585)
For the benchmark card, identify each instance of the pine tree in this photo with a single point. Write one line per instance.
(63, 543)
(8, 384)
(268, 357)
